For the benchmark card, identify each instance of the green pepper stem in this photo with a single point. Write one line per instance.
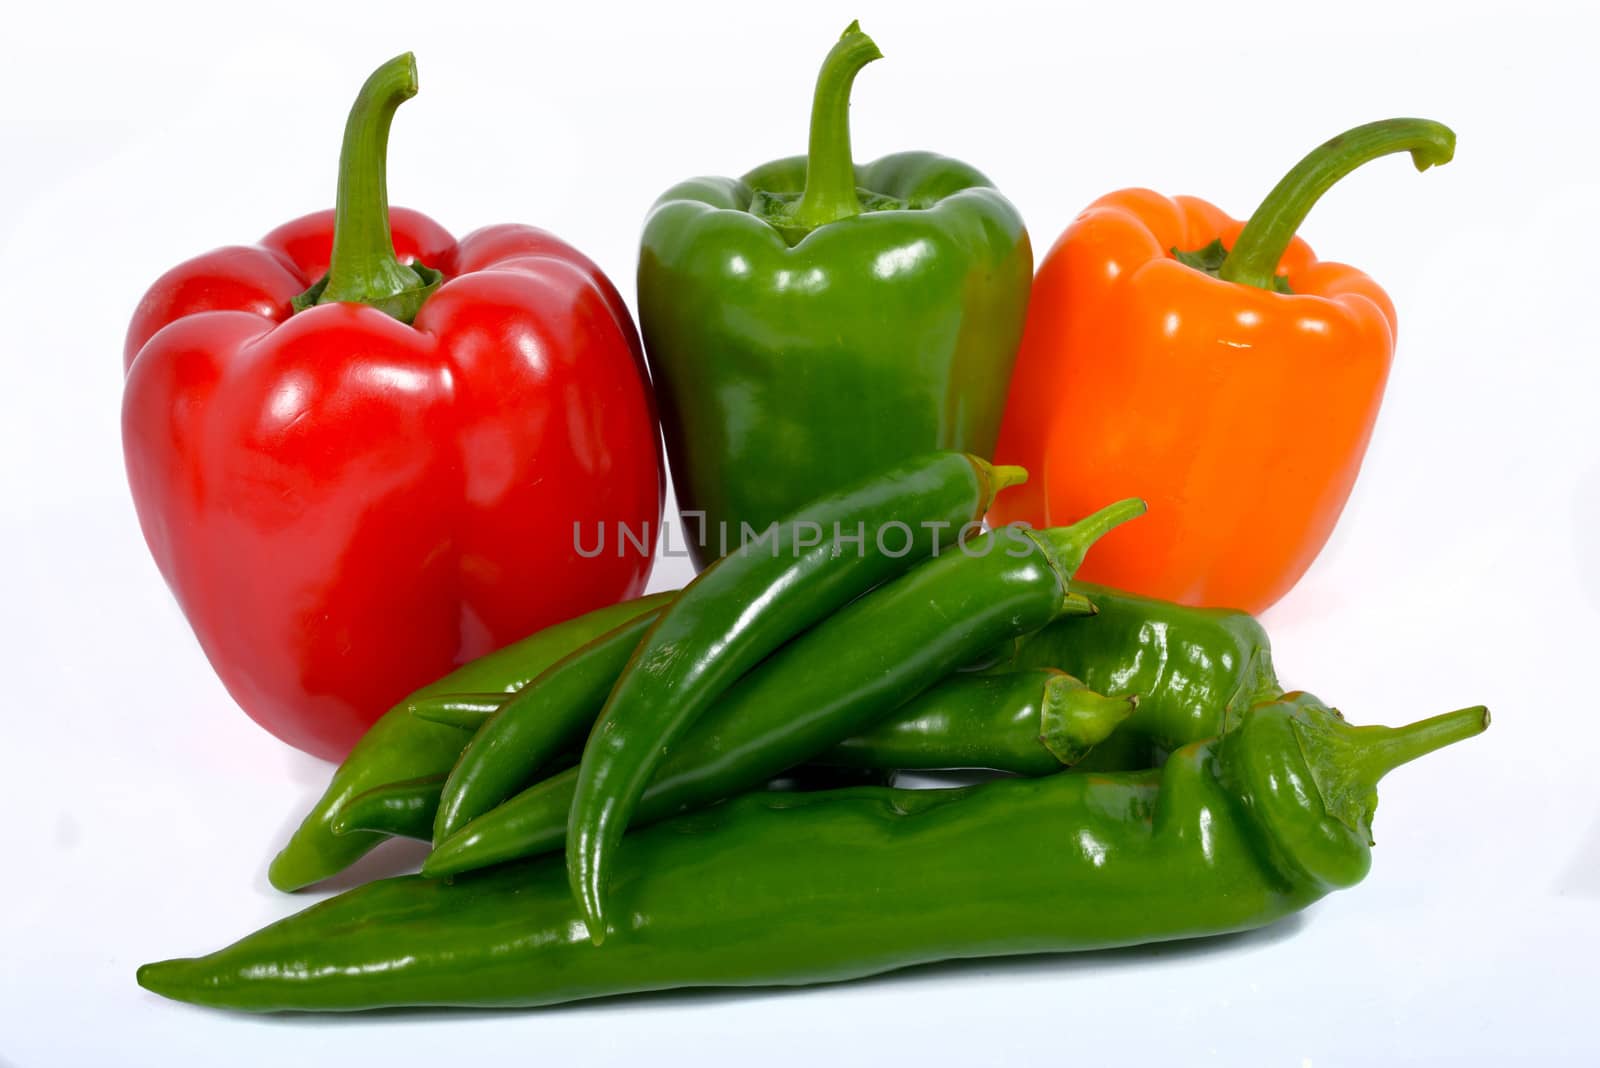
(1073, 719)
(993, 478)
(1254, 258)
(1065, 547)
(1379, 750)
(1076, 604)
(363, 267)
(830, 193)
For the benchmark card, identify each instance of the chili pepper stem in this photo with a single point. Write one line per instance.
(1386, 748)
(830, 192)
(1074, 719)
(1346, 762)
(1076, 604)
(1065, 547)
(995, 478)
(363, 267)
(1253, 261)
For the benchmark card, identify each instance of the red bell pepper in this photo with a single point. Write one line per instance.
(359, 460)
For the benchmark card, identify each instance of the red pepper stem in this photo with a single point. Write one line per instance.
(830, 193)
(364, 268)
(1253, 261)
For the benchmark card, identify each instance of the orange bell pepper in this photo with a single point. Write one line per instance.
(1213, 367)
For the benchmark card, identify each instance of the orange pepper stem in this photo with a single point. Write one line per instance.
(1254, 258)
(830, 193)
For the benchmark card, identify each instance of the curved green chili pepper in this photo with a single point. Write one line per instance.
(1194, 670)
(551, 713)
(1030, 722)
(790, 888)
(743, 607)
(401, 746)
(831, 682)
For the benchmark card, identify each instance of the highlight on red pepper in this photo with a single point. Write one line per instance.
(359, 449)
(1217, 369)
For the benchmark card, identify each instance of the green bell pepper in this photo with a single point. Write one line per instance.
(815, 320)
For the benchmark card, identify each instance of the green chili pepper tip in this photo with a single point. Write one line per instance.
(468, 711)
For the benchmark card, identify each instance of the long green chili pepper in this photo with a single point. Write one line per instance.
(741, 608)
(790, 888)
(401, 746)
(468, 711)
(1194, 670)
(1027, 722)
(548, 715)
(1031, 722)
(835, 680)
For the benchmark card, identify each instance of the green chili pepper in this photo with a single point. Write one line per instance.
(1027, 722)
(401, 746)
(743, 607)
(1031, 722)
(790, 888)
(551, 713)
(1194, 670)
(832, 682)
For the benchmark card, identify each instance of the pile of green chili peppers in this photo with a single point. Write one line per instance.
(602, 804)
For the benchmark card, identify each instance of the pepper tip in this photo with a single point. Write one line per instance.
(158, 978)
(286, 875)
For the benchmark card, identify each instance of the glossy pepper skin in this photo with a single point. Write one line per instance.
(1158, 362)
(1030, 722)
(742, 608)
(401, 746)
(1195, 671)
(1026, 722)
(562, 704)
(359, 448)
(786, 889)
(832, 682)
(814, 319)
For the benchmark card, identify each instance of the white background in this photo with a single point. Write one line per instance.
(141, 807)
